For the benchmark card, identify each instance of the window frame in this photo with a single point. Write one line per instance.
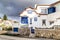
(44, 22)
(24, 21)
(35, 18)
(50, 10)
(29, 11)
(15, 29)
(43, 11)
(51, 22)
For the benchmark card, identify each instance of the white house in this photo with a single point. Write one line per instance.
(42, 16)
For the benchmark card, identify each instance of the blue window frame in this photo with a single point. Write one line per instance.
(24, 20)
(29, 11)
(35, 18)
(30, 20)
(51, 10)
(15, 29)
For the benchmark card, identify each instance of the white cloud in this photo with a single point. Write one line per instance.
(9, 8)
(1, 14)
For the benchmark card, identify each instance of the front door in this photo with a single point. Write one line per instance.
(32, 30)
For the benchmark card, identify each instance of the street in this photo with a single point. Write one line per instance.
(4, 37)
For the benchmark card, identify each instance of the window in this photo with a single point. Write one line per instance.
(30, 20)
(24, 20)
(29, 11)
(35, 18)
(43, 11)
(15, 29)
(43, 22)
(51, 10)
(51, 22)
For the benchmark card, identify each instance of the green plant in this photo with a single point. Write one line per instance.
(9, 29)
(4, 17)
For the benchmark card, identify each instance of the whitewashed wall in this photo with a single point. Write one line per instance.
(57, 7)
(39, 23)
(39, 8)
(16, 25)
(32, 15)
(53, 16)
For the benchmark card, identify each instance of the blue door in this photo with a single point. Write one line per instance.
(24, 20)
(32, 30)
(15, 29)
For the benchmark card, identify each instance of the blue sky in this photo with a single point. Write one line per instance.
(12, 8)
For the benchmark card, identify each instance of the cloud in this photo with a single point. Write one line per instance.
(1, 15)
(9, 8)
(13, 7)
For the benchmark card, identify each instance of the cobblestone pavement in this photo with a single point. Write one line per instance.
(4, 37)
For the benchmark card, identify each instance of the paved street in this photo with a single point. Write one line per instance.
(3, 37)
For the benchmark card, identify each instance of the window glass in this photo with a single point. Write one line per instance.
(35, 18)
(29, 11)
(24, 20)
(32, 30)
(43, 22)
(51, 10)
(15, 29)
(43, 11)
(51, 22)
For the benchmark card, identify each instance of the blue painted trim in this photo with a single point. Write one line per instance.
(24, 20)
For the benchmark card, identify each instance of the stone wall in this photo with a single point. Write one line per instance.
(48, 33)
(24, 31)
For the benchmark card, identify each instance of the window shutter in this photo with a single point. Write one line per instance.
(51, 10)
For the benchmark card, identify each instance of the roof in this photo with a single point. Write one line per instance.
(34, 11)
(43, 14)
(26, 8)
(49, 4)
(55, 3)
(41, 5)
(30, 8)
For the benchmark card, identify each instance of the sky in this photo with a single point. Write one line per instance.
(12, 8)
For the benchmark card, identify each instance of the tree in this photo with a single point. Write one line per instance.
(4, 17)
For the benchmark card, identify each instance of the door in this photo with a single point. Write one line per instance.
(32, 30)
